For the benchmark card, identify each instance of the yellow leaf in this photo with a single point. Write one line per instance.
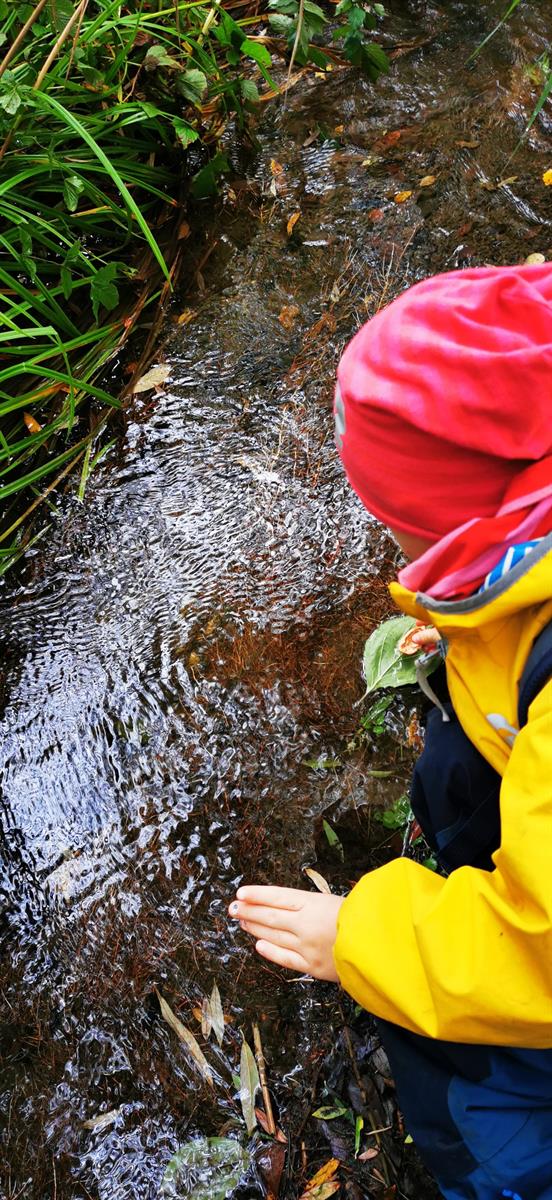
(318, 880)
(31, 424)
(152, 379)
(186, 1038)
(292, 223)
(533, 259)
(187, 315)
(400, 197)
(323, 1191)
(276, 167)
(324, 1175)
(427, 180)
(547, 179)
(288, 315)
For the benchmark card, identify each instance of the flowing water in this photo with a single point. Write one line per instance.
(191, 639)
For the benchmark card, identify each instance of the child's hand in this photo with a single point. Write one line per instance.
(293, 928)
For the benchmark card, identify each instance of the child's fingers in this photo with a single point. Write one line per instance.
(283, 958)
(269, 918)
(276, 937)
(274, 897)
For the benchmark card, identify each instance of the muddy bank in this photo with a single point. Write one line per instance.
(193, 639)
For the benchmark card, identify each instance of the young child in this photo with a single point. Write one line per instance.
(444, 424)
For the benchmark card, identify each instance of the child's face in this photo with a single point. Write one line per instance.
(412, 546)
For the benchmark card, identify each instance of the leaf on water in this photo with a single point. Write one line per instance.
(270, 1158)
(323, 1191)
(292, 223)
(276, 168)
(264, 1123)
(367, 1155)
(330, 1112)
(186, 316)
(324, 1175)
(186, 1038)
(401, 197)
(102, 1120)
(375, 214)
(318, 880)
(204, 1169)
(335, 293)
(153, 378)
(206, 1018)
(288, 315)
(217, 1015)
(249, 1083)
(547, 178)
(32, 424)
(427, 180)
(383, 665)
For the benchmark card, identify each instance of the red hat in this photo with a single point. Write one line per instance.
(444, 399)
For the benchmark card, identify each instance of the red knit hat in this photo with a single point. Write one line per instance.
(444, 399)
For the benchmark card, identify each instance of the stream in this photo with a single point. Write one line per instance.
(187, 649)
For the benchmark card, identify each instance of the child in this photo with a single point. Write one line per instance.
(444, 424)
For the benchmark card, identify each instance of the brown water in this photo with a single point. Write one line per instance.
(193, 635)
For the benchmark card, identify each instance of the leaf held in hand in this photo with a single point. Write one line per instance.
(318, 880)
(383, 664)
(186, 1038)
(249, 1083)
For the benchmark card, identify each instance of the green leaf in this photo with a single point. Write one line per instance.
(11, 94)
(256, 51)
(333, 839)
(204, 1169)
(60, 12)
(73, 187)
(249, 91)
(383, 665)
(331, 1112)
(205, 182)
(157, 57)
(281, 24)
(359, 1126)
(315, 10)
(103, 291)
(184, 132)
(193, 85)
(249, 1082)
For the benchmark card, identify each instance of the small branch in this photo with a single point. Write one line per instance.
(21, 36)
(262, 1076)
(298, 31)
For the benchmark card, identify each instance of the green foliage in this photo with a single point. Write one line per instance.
(397, 816)
(204, 1169)
(301, 23)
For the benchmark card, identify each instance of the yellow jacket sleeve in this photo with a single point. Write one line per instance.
(468, 958)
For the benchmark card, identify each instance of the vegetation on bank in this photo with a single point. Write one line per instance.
(110, 116)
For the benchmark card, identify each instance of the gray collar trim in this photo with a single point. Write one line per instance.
(480, 599)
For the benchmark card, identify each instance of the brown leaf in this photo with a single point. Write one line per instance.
(288, 315)
(375, 214)
(206, 1018)
(318, 880)
(400, 197)
(187, 315)
(276, 168)
(427, 180)
(32, 425)
(183, 230)
(186, 1038)
(263, 1122)
(368, 1154)
(467, 145)
(270, 1160)
(292, 223)
(325, 1173)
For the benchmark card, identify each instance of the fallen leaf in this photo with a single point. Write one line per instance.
(276, 168)
(467, 145)
(318, 880)
(152, 379)
(217, 1015)
(249, 1083)
(102, 1120)
(325, 1174)
(533, 259)
(547, 179)
(400, 197)
(427, 180)
(187, 315)
(375, 214)
(369, 162)
(186, 1038)
(288, 315)
(330, 1112)
(32, 425)
(368, 1154)
(323, 1191)
(263, 1122)
(292, 223)
(183, 230)
(339, 129)
(206, 1020)
(270, 1159)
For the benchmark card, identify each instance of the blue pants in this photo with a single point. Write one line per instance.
(480, 1116)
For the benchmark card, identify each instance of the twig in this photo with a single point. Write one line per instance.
(21, 36)
(298, 32)
(262, 1076)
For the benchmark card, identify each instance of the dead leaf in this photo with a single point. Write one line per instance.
(249, 1083)
(367, 1155)
(292, 223)
(263, 1122)
(323, 1191)
(325, 1174)
(427, 180)
(276, 168)
(270, 1159)
(375, 214)
(102, 1120)
(217, 1015)
(547, 178)
(187, 315)
(183, 230)
(339, 129)
(288, 315)
(467, 145)
(318, 880)
(533, 259)
(186, 1038)
(206, 1020)
(335, 293)
(400, 197)
(32, 425)
(153, 378)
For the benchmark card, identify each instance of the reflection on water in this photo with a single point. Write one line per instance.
(193, 634)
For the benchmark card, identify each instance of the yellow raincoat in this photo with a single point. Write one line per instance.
(469, 958)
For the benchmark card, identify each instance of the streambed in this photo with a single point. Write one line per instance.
(191, 640)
